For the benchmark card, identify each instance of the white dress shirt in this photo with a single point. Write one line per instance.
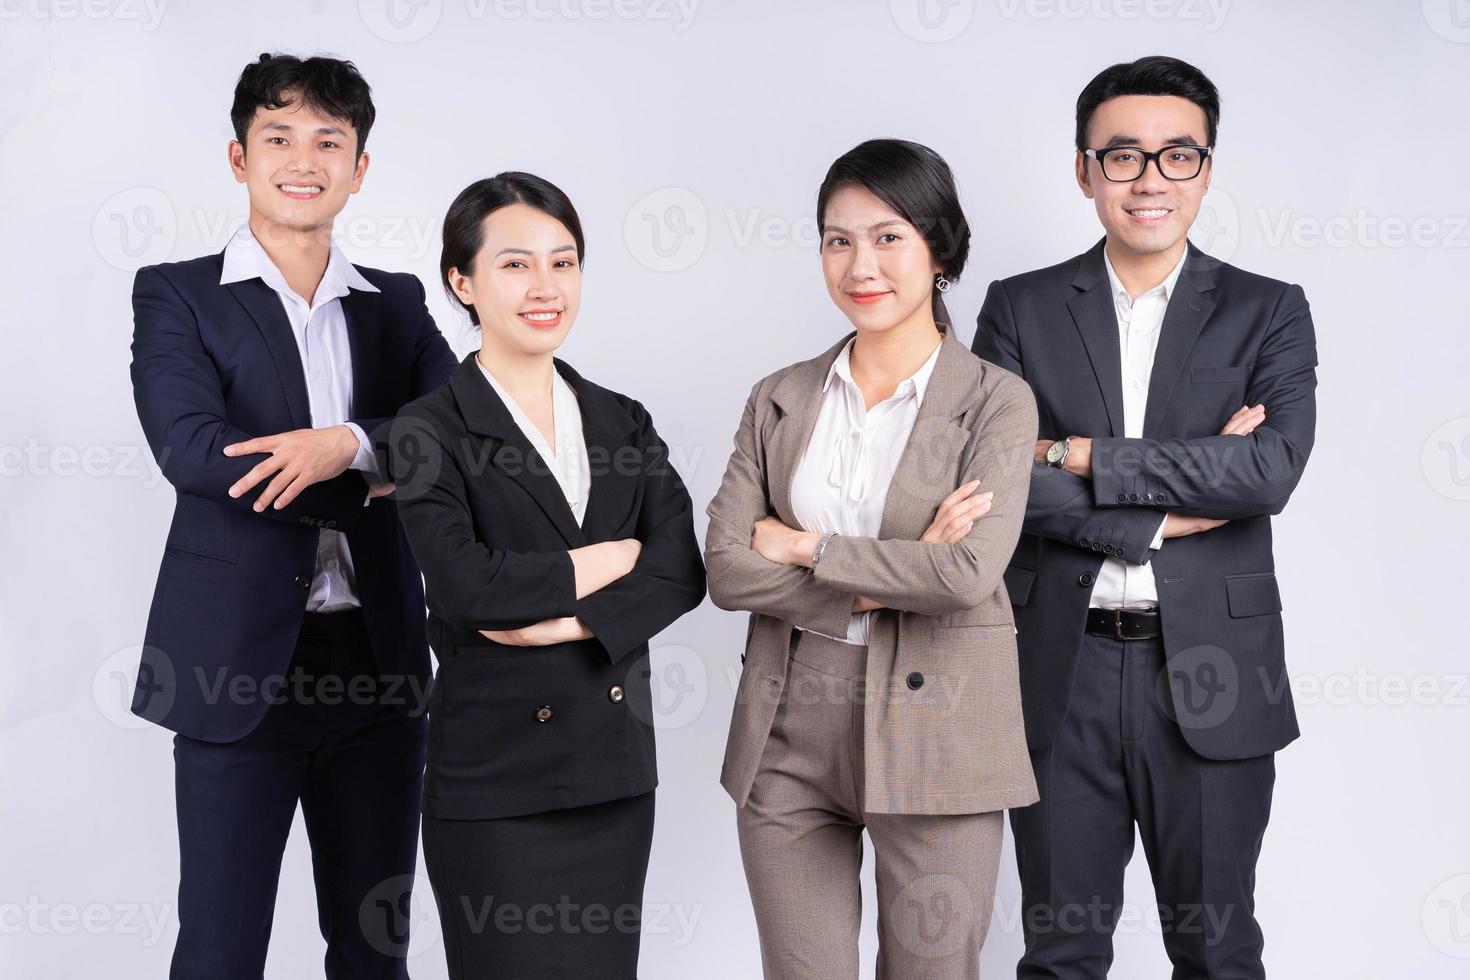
(568, 463)
(841, 481)
(1120, 585)
(320, 330)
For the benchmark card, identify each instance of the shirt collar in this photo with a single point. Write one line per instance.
(1121, 294)
(245, 259)
(842, 367)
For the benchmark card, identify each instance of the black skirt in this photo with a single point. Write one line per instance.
(555, 894)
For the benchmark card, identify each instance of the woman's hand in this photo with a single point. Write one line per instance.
(776, 542)
(958, 513)
(548, 631)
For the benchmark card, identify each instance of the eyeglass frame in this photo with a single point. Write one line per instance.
(1156, 157)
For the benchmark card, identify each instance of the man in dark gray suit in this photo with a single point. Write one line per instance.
(1176, 403)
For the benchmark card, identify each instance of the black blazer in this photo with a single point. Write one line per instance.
(1229, 338)
(516, 730)
(215, 364)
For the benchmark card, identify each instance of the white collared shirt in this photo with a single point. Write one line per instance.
(1140, 321)
(841, 481)
(320, 330)
(568, 463)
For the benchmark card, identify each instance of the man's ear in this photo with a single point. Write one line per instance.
(360, 171)
(1084, 179)
(235, 153)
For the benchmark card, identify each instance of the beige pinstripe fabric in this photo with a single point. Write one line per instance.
(956, 743)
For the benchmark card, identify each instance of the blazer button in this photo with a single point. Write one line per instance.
(615, 693)
(1122, 497)
(1085, 579)
(915, 680)
(1107, 549)
(1159, 498)
(303, 581)
(543, 713)
(1133, 498)
(1148, 498)
(1118, 552)
(1097, 546)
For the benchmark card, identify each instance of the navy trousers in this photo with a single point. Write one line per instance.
(1120, 760)
(353, 756)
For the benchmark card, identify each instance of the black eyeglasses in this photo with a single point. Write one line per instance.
(1178, 161)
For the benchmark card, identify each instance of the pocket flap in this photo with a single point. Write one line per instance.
(1018, 582)
(1253, 594)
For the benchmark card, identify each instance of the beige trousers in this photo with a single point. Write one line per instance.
(801, 843)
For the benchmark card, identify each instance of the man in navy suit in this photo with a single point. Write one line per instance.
(285, 645)
(1176, 397)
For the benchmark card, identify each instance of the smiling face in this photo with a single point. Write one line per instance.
(1151, 214)
(299, 167)
(526, 280)
(878, 268)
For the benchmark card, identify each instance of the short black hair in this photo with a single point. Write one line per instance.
(915, 182)
(464, 225)
(1154, 75)
(327, 85)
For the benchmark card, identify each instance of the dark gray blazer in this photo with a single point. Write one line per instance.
(1229, 338)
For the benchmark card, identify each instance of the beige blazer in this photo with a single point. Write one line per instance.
(942, 713)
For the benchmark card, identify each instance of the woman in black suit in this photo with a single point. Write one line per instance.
(555, 539)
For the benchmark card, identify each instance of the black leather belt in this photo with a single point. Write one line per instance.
(1124, 624)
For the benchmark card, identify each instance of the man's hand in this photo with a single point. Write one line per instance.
(958, 513)
(1245, 420)
(1183, 525)
(548, 631)
(380, 489)
(298, 459)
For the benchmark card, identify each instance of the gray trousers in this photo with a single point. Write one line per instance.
(801, 843)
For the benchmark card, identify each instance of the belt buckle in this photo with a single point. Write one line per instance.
(1118, 624)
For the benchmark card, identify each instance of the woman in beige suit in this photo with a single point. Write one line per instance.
(872, 502)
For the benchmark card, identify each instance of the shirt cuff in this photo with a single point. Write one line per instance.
(1158, 541)
(365, 459)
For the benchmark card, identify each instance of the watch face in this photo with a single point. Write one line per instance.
(1054, 452)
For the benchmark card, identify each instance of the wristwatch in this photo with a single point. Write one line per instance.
(1056, 453)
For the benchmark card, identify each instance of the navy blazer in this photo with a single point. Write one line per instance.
(1229, 338)
(516, 730)
(217, 364)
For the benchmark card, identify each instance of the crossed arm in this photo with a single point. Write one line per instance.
(757, 563)
(1247, 469)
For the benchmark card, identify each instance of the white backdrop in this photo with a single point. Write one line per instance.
(692, 136)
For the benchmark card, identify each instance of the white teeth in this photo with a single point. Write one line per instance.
(300, 189)
(1153, 213)
(540, 316)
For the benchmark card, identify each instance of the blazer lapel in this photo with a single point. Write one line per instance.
(1097, 321)
(264, 307)
(605, 428)
(799, 396)
(925, 472)
(362, 311)
(1189, 307)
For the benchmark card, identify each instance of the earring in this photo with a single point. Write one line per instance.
(941, 283)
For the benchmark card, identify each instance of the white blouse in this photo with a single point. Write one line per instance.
(841, 482)
(568, 463)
